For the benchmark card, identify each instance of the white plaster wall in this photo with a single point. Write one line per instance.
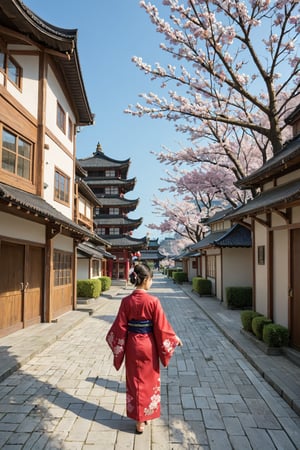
(261, 271)
(237, 268)
(277, 220)
(63, 243)
(82, 269)
(28, 95)
(280, 286)
(268, 186)
(56, 158)
(289, 177)
(54, 93)
(296, 214)
(18, 228)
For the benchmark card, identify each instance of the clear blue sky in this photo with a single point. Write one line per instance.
(110, 32)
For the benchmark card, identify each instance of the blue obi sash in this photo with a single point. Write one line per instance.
(140, 326)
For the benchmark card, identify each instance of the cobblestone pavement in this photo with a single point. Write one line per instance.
(70, 397)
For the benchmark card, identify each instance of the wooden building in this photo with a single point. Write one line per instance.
(42, 102)
(274, 216)
(223, 256)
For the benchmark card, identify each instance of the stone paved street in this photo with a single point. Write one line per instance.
(70, 397)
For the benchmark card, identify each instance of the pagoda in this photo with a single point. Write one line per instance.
(107, 178)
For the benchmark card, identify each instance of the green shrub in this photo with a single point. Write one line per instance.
(258, 324)
(105, 283)
(89, 288)
(179, 277)
(275, 335)
(201, 285)
(172, 270)
(239, 297)
(246, 318)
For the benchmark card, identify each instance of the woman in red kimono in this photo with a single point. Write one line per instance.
(142, 333)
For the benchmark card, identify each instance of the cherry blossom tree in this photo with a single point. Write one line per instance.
(237, 78)
(180, 217)
(238, 67)
(196, 194)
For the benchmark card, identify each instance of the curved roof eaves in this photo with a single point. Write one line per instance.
(63, 45)
(47, 33)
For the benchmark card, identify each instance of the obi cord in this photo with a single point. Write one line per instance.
(140, 326)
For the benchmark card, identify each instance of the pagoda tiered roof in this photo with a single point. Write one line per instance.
(126, 242)
(101, 161)
(121, 221)
(119, 202)
(126, 185)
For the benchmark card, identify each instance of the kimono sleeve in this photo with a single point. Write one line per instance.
(165, 336)
(117, 337)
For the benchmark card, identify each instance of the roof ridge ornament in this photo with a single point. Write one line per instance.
(98, 149)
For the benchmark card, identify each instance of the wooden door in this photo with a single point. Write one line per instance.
(11, 292)
(33, 285)
(295, 284)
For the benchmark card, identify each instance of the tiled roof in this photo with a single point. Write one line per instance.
(285, 160)
(219, 215)
(117, 221)
(87, 192)
(15, 15)
(278, 197)
(236, 236)
(38, 205)
(109, 181)
(114, 202)
(99, 159)
(151, 255)
(92, 251)
(207, 240)
(124, 241)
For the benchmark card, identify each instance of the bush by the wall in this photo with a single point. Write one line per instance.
(239, 297)
(275, 335)
(201, 285)
(179, 277)
(89, 288)
(258, 324)
(170, 271)
(105, 283)
(246, 318)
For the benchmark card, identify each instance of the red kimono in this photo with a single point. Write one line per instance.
(142, 350)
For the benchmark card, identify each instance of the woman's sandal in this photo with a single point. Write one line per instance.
(140, 427)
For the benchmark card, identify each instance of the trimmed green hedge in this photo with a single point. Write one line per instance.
(201, 285)
(258, 324)
(239, 297)
(275, 335)
(89, 288)
(179, 277)
(105, 283)
(172, 270)
(246, 319)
